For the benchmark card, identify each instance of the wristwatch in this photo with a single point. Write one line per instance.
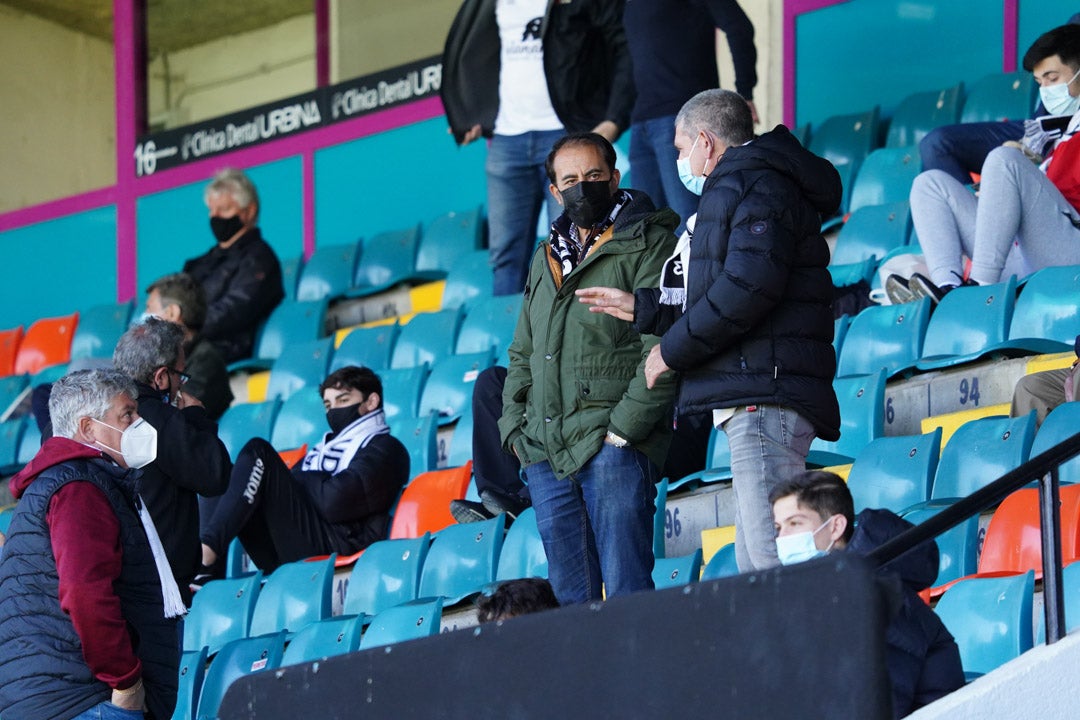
(615, 440)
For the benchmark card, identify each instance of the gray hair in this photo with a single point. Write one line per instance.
(182, 290)
(722, 112)
(147, 346)
(85, 393)
(233, 181)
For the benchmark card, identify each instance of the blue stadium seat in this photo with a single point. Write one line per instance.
(718, 463)
(673, 572)
(968, 323)
(1062, 423)
(448, 390)
(401, 391)
(523, 553)
(11, 433)
(12, 390)
(852, 273)
(447, 239)
(300, 365)
(990, 618)
(408, 621)
(845, 141)
(419, 435)
(469, 280)
(295, 594)
(958, 548)
(386, 574)
(244, 421)
(490, 324)
(192, 671)
(328, 273)
(885, 336)
(862, 418)
(220, 612)
(290, 275)
(660, 518)
(722, 564)
(1000, 96)
(237, 659)
(30, 442)
(895, 472)
(427, 338)
(872, 231)
(302, 419)
(840, 328)
(802, 134)
(461, 441)
(5, 518)
(99, 329)
(981, 451)
(462, 559)
(386, 259)
(325, 638)
(366, 347)
(919, 113)
(291, 322)
(1046, 318)
(885, 176)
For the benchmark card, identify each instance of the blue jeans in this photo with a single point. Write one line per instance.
(768, 447)
(597, 524)
(107, 711)
(961, 149)
(653, 169)
(517, 186)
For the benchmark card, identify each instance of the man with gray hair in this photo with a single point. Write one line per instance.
(240, 274)
(88, 605)
(749, 325)
(191, 460)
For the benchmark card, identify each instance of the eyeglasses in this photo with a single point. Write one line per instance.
(184, 377)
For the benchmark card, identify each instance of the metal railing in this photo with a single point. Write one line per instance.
(1044, 469)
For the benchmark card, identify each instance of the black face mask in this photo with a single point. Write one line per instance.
(225, 228)
(340, 418)
(587, 203)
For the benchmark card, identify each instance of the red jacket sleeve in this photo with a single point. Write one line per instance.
(86, 543)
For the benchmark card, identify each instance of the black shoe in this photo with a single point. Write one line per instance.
(898, 290)
(497, 502)
(921, 287)
(469, 511)
(207, 573)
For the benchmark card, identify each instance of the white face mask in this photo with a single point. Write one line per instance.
(800, 547)
(1057, 100)
(138, 444)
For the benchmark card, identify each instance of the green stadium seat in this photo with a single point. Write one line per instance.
(1046, 318)
(1062, 423)
(419, 435)
(99, 329)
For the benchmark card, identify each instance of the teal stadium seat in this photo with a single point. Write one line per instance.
(192, 671)
(660, 518)
(99, 329)
(290, 275)
(30, 442)
(990, 618)
(919, 113)
(462, 559)
(302, 419)
(408, 621)
(5, 518)
(872, 231)
(237, 659)
(968, 323)
(468, 281)
(221, 612)
(802, 134)
(302, 365)
(981, 451)
(1000, 96)
(1062, 423)
(885, 336)
(386, 574)
(718, 464)
(895, 472)
(840, 328)
(11, 432)
(852, 273)
(722, 564)
(386, 260)
(12, 390)
(490, 324)
(447, 239)
(419, 435)
(958, 548)
(884, 177)
(291, 322)
(448, 390)
(401, 391)
(294, 595)
(845, 141)
(1046, 318)
(673, 572)
(862, 418)
(328, 273)
(460, 450)
(427, 338)
(1070, 582)
(370, 347)
(523, 553)
(326, 638)
(244, 421)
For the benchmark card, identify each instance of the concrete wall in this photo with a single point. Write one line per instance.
(371, 35)
(767, 18)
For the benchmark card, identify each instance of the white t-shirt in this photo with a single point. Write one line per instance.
(524, 103)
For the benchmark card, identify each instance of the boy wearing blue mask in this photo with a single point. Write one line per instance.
(814, 514)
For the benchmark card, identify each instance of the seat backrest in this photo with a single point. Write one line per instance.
(1013, 540)
(424, 505)
(387, 258)
(981, 451)
(1049, 308)
(969, 321)
(523, 553)
(460, 450)
(449, 388)
(366, 347)
(919, 113)
(862, 415)
(237, 659)
(419, 435)
(386, 574)
(872, 231)
(9, 349)
(885, 176)
(1000, 96)
(402, 389)
(328, 272)
(462, 559)
(302, 419)
(1061, 424)
(244, 421)
(676, 571)
(29, 443)
(291, 322)
(192, 671)
(490, 324)
(12, 389)
(468, 281)
(895, 472)
(427, 338)
(846, 139)
(408, 621)
(47, 342)
(99, 329)
(220, 612)
(291, 267)
(300, 365)
(958, 548)
(448, 237)
(885, 336)
(721, 564)
(325, 638)
(294, 595)
(11, 432)
(990, 618)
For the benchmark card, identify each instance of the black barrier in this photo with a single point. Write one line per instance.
(805, 642)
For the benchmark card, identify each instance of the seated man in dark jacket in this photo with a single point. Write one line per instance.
(240, 274)
(338, 501)
(815, 514)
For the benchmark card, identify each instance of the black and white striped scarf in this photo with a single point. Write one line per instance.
(566, 250)
(673, 275)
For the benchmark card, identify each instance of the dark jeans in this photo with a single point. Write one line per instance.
(961, 149)
(653, 167)
(493, 467)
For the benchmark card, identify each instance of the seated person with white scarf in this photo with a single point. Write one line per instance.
(337, 501)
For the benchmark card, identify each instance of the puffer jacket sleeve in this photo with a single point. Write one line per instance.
(650, 317)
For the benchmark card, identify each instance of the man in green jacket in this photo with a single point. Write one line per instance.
(576, 410)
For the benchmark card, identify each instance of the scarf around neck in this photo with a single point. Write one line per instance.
(567, 251)
(676, 268)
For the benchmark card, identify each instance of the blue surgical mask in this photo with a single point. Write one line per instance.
(694, 183)
(1057, 100)
(800, 547)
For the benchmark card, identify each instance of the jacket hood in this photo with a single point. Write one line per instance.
(53, 452)
(917, 568)
(779, 150)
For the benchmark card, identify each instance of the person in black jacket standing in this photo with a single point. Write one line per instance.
(749, 323)
(191, 460)
(241, 274)
(524, 73)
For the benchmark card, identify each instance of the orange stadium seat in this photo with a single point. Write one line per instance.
(47, 342)
(9, 348)
(425, 504)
